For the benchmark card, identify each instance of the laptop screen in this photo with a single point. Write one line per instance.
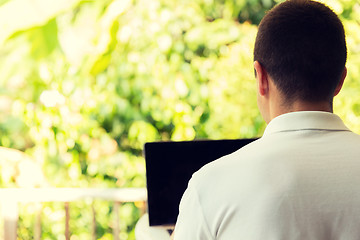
(169, 167)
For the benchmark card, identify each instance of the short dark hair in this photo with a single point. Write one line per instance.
(301, 44)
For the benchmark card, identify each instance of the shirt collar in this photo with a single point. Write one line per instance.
(305, 120)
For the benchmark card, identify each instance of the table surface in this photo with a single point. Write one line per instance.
(144, 232)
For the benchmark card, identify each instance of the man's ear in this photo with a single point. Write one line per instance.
(341, 82)
(261, 79)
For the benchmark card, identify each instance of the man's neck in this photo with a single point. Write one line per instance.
(323, 106)
(299, 106)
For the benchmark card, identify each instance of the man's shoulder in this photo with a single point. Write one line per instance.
(238, 161)
(235, 157)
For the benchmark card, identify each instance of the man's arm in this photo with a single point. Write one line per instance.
(191, 223)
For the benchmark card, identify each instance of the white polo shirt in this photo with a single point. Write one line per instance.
(301, 181)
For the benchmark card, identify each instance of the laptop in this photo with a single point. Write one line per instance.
(169, 167)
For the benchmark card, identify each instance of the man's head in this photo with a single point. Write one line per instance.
(301, 45)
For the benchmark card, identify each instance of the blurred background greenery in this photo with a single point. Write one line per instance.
(84, 84)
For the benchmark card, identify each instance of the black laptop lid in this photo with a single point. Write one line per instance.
(169, 167)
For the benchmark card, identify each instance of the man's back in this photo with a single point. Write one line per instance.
(299, 181)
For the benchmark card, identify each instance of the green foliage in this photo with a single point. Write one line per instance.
(86, 83)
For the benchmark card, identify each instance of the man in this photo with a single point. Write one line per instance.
(301, 179)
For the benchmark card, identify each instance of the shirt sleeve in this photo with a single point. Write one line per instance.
(191, 223)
